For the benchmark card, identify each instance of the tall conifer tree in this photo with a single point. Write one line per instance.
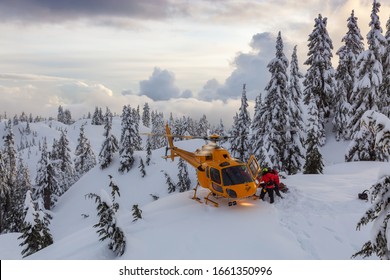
(276, 108)
(110, 144)
(313, 160)
(35, 231)
(345, 77)
(46, 181)
(85, 158)
(295, 147)
(184, 182)
(385, 87)
(64, 163)
(319, 79)
(258, 127)
(369, 74)
(4, 193)
(240, 146)
(127, 145)
(146, 115)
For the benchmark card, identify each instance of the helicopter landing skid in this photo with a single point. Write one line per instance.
(212, 201)
(197, 199)
(207, 199)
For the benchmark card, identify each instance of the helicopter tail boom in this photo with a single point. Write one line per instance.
(177, 152)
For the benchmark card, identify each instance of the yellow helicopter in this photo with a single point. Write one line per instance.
(223, 175)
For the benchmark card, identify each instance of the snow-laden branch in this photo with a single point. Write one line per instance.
(372, 141)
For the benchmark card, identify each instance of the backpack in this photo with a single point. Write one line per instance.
(363, 195)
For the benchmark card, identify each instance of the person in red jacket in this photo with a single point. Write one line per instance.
(276, 182)
(268, 179)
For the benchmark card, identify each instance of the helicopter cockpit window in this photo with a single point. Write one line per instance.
(215, 175)
(235, 175)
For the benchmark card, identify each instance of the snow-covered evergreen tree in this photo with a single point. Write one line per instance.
(64, 116)
(220, 130)
(8, 186)
(158, 128)
(240, 145)
(385, 86)
(369, 73)
(276, 108)
(64, 163)
(295, 147)
(67, 117)
(146, 115)
(10, 156)
(169, 182)
(85, 158)
(5, 194)
(203, 126)
(108, 225)
(17, 198)
(137, 213)
(141, 167)
(258, 132)
(319, 81)
(378, 214)
(345, 77)
(184, 182)
(148, 151)
(14, 182)
(127, 145)
(46, 183)
(97, 118)
(4, 188)
(35, 231)
(372, 141)
(313, 158)
(60, 114)
(179, 127)
(137, 141)
(110, 144)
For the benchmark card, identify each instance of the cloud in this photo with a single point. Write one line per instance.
(43, 98)
(214, 110)
(249, 68)
(82, 97)
(57, 11)
(30, 77)
(209, 90)
(160, 86)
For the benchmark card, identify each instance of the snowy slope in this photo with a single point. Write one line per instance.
(316, 220)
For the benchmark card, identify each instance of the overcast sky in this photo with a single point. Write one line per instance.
(180, 56)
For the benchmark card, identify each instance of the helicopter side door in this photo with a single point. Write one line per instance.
(254, 167)
(214, 177)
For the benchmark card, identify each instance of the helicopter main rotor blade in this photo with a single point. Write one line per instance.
(174, 136)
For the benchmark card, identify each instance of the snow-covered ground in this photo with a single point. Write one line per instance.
(316, 220)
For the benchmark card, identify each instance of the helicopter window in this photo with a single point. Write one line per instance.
(215, 175)
(254, 167)
(235, 175)
(217, 187)
(207, 172)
